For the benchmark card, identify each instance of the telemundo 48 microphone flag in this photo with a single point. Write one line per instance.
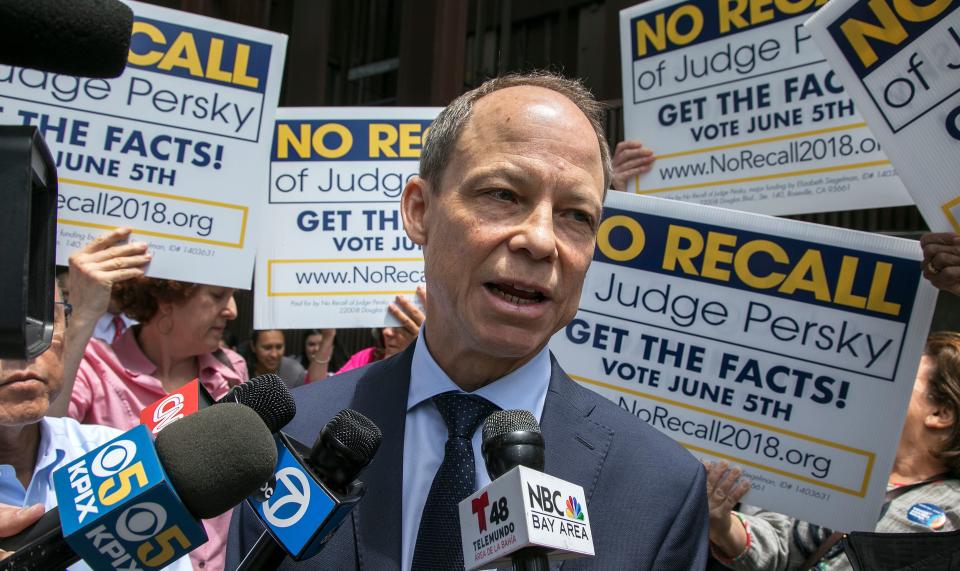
(521, 509)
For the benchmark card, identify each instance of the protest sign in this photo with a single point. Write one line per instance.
(333, 252)
(899, 63)
(787, 348)
(744, 113)
(175, 148)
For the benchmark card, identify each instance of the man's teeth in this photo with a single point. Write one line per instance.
(512, 298)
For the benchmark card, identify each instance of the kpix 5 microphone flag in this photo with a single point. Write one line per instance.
(131, 503)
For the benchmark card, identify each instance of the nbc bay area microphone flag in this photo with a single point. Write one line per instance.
(524, 508)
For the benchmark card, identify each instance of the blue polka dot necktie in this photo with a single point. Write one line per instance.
(438, 540)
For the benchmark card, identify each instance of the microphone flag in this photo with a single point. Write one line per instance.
(118, 507)
(524, 508)
(298, 510)
(176, 405)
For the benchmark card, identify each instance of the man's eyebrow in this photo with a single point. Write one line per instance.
(509, 173)
(585, 197)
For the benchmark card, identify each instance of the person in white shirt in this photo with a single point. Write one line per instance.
(33, 446)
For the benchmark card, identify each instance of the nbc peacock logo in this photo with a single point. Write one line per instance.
(574, 511)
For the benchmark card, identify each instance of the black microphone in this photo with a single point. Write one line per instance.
(269, 397)
(213, 460)
(512, 438)
(89, 38)
(343, 448)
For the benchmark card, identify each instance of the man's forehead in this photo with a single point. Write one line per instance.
(524, 114)
(526, 102)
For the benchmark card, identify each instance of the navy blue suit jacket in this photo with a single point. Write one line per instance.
(646, 494)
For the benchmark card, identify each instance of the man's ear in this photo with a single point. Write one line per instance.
(413, 208)
(941, 417)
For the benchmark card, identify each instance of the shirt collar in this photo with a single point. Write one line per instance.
(136, 361)
(49, 455)
(208, 365)
(524, 388)
(129, 352)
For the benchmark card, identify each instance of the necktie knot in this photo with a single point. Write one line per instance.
(463, 413)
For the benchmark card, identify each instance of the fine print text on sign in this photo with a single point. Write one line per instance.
(747, 338)
(743, 111)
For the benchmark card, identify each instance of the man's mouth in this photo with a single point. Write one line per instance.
(516, 294)
(20, 377)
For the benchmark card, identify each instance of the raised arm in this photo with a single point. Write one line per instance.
(94, 269)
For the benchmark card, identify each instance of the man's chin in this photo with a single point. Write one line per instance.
(23, 413)
(513, 343)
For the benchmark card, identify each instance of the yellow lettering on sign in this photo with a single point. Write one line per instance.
(155, 35)
(713, 255)
(383, 137)
(741, 263)
(674, 253)
(808, 275)
(286, 138)
(890, 31)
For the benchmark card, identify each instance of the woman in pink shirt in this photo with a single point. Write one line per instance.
(176, 341)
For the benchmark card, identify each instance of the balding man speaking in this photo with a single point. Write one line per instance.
(506, 208)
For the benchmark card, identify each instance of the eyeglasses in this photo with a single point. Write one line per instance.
(67, 310)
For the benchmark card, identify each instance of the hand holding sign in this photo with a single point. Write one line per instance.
(724, 490)
(941, 260)
(630, 160)
(100, 264)
(396, 339)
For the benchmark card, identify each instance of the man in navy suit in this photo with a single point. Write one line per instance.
(506, 208)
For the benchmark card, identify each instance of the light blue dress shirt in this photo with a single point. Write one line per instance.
(62, 440)
(425, 434)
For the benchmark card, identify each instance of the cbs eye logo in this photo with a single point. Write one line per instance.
(113, 464)
(145, 523)
(621, 227)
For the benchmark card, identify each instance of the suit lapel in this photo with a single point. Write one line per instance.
(576, 446)
(382, 395)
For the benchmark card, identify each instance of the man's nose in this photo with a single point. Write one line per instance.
(537, 234)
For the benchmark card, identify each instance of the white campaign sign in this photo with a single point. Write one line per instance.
(334, 252)
(173, 148)
(787, 348)
(902, 71)
(744, 113)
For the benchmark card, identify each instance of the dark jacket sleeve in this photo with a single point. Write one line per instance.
(686, 544)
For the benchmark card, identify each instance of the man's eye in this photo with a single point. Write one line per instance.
(582, 216)
(503, 194)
